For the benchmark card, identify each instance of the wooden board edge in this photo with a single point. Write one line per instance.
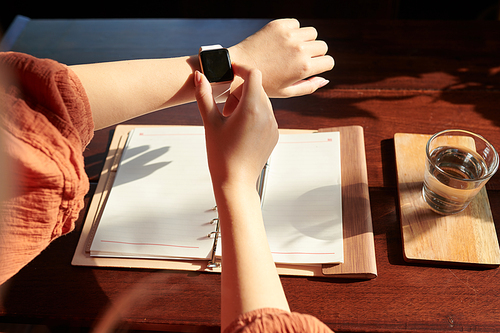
(409, 257)
(358, 227)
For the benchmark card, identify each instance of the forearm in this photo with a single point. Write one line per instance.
(288, 56)
(249, 277)
(121, 90)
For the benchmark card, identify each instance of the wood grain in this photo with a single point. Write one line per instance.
(359, 249)
(468, 237)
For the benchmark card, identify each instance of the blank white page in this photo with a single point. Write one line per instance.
(302, 203)
(162, 198)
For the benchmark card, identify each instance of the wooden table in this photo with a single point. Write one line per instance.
(390, 77)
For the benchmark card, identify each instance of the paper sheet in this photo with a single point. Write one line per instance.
(302, 205)
(162, 199)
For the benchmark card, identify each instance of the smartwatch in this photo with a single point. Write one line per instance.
(215, 63)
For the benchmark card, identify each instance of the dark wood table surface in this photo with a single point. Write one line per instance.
(390, 77)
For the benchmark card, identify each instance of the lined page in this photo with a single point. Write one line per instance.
(161, 202)
(302, 203)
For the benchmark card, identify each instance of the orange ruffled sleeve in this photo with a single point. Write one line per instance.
(275, 320)
(46, 123)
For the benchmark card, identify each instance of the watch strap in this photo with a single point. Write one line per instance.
(221, 91)
(211, 47)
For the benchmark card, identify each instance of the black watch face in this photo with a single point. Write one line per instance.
(216, 65)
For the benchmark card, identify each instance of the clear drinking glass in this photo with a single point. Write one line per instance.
(458, 164)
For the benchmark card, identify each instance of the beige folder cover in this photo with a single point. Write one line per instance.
(359, 248)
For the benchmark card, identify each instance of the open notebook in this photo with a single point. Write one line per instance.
(161, 205)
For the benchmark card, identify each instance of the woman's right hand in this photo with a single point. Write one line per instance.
(238, 143)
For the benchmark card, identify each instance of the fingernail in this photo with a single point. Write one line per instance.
(197, 78)
(324, 83)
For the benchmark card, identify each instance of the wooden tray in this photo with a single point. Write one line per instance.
(468, 237)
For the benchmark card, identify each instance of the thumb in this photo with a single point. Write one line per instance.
(204, 97)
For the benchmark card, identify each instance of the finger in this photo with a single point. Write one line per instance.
(235, 96)
(254, 92)
(316, 48)
(232, 101)
(323, 63)
(252, 82)
(204, 97)
(289, 23)
(249, 93)
(308, 33)
(252, 86)
(242, 71)
(319, 65)
(305, 87)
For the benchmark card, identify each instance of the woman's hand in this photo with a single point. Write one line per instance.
(287, 55)
(239, 142)
(238, 145)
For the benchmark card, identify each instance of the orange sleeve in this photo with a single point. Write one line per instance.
(46, 123)
(275, 320)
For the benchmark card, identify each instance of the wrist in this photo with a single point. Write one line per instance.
(238, 208)
(238, 187)
(232, 192)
